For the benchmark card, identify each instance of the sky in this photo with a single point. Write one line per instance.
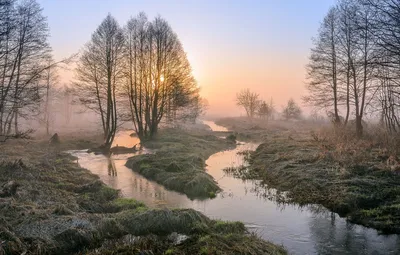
(262, 45)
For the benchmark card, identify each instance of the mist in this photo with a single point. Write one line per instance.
(199, 127)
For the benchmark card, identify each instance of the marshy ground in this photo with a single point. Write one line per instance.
(356, 178)
(60, 208)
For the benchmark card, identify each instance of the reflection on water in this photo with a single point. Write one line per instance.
(215, 127)
(309, 230)
(125, 139)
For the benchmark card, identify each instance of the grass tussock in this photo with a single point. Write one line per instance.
(204, 236)
(179, 161)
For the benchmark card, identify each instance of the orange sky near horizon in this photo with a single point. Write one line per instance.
(273, 76)
(262, 45)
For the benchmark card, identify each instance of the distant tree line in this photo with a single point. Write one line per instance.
(354, 65)
(138, 72)
(255, 107)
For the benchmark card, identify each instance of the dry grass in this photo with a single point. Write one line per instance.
(60, 208)
(357, 178)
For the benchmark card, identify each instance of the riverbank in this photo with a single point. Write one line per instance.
(255, 130)
(351, 177)
(179, 161)
(60, 208)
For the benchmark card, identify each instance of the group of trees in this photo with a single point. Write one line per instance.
(139, 72)
(354, 64)
(253, 105)
(28, 73)
(24, 58)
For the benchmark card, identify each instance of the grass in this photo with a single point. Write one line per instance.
(349, 176)
(205, 236)
(60, 208)
(179, 161)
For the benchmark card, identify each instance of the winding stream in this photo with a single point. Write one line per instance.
(300, 230)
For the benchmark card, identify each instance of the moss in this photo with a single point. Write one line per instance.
(127, 203)
(212, 194)
(170, 251)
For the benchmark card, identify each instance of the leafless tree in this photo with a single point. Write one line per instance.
(23, 53)
(249, 101)
(99, 75)
(385, 30)
(342, 67)
(323, 68)
(50, 79)
(197, 107)
(291, 110)
(265, 110)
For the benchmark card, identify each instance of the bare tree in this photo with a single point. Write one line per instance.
(24, 50)
(99, 75)
(50, 78)
(342, 67)
(384, 29)
(323, 69)
(291, 110)
(249, 101)
(265, 110)
(195, 109)
(158, 75)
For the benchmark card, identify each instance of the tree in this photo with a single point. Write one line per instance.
(249, 101)
(50, 78)
(265, 110)
(23, 53)
(99, 75)
(342, 67)
(195, 109)
(347, 49)
(322, 69)
(291, 110)
(384, 24)
(158, 75)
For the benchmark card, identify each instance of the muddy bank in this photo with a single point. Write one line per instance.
(179, 161)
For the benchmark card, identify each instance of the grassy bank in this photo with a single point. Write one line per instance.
(255, 130)
(179, 161)
(60, 208)
(351, 177)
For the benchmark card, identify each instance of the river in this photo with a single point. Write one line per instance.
(300, 230)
